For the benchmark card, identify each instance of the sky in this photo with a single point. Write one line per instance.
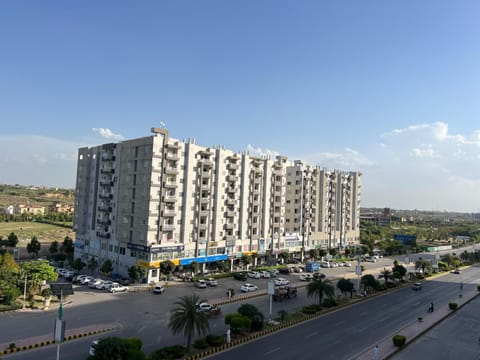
(387, 88)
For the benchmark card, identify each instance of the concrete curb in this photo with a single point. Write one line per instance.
(34, 343)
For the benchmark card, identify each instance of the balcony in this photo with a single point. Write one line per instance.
(206, 174)
(229, 226)
(171, 170)
(169, 198)
(232, 178)
(202, 226)
(231, 190)
(106, 182)
(172, 156)
(173, 145)
(168, 227)
(205, 187)
(108, 157)
(232, 166)
(206, 162)
(204, 212)
(103, 235)
(230, 214)
(230, 238)
(230, 201)
(170, 185)
(278, 171)
(104, 222)
(105, 208)
(108, 171)
(105, 196)
(204, 200)
(169, 212)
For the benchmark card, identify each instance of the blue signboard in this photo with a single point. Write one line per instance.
(204, 259)
(405, 239)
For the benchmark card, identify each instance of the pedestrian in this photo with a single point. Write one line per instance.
(375, 352)
(431, 307)
(229, 339)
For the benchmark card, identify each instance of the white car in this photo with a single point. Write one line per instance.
(281, 281)
(86, 280)
(248, 287)
(104, 285)
(202, 284)
(254, 275)
(211, 282)
(204, 306)
(116, 287)
(92, 347)
(305, 277)
(93, 284)
(158, 289)
(266, 274)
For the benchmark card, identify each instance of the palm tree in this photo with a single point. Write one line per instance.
(385, 274)
(186, 319)
(319, 287)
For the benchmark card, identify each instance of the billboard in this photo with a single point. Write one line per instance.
(406, 239)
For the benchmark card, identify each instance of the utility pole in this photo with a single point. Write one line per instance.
(25, 291)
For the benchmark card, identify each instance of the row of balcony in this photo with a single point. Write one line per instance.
(103, 235)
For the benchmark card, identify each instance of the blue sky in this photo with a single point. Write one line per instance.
(388, 88)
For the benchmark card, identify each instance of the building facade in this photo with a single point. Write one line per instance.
(152, 199)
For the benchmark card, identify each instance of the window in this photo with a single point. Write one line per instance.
(122, 250)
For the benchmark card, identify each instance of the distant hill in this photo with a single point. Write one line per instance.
(20, 194)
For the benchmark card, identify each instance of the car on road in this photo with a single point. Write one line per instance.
(202, 284)
(417, 286)
(211, 282)
(305, 277)
(116, 287)
(204, 306)
(456, 271)
(248, 287)
(254, 275)
(281, 281)
(158, 289)
(86, 280)
(240, 276)
(92, 347)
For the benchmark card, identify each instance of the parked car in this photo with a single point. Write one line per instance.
(211, 282)
(201, 284)
(104, 285)
(240, 276)
(254, 275)
(116, 287)
(281, 281)
(86, 280)
(266, 274)
(248, 287)
(305, 277)
(78, 279)
(93, 284)
(417, 286)
(347, 264)
(158, 289)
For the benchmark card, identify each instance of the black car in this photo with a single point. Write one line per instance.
(240, 276)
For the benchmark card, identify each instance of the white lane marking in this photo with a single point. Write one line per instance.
(363, 313)
(339, 323)
(310, 335)
(271, 351)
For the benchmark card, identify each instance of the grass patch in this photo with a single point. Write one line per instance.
(45, 233)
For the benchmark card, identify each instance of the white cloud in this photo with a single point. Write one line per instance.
(424, 153)
(107, 134)
(349, 159)
(261, 152)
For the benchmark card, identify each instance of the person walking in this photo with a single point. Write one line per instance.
(229, 339)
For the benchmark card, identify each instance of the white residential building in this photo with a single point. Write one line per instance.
(155, 198)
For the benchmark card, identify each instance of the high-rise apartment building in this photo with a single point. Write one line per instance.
(155, 198)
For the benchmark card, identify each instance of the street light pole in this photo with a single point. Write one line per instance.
(24, 291)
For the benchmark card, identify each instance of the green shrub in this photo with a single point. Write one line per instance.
(215, 340)
(399, 340)
(329, 303)
(168, 353)
(200, 344)
(309, 310)
(452, 305)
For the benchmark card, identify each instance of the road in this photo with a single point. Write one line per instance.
(146, 315)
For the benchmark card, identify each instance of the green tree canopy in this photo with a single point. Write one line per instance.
(33, 247)
(345, 286)
(53, 249)
(107, 267)
(78, 265)
(320, 287)
(167, 267)
(136, 273)
(186, 319)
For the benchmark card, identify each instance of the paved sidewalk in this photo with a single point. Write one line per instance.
(415, 329)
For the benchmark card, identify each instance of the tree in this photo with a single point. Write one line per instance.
(368, 281)
(107, 267)
(33, 247)
(136, 273)
(255, 316)
(187, 320)
(53, 249)
(12, 240)
(67, 246)
(386, 275)
(92, 264)
(167, 267)
(399, 269)
(320, 287)
(78, 265)
(345, 286)
(38, 271)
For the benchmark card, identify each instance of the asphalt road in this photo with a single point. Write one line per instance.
(146, 315)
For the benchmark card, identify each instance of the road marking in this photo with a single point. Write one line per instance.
(310, 335)
(340, 323)
(363, 313)
(271, 351)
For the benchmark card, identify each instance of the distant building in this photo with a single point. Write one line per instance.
(155, 198)
(29, 209)
(379, 219)
(60, 208)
